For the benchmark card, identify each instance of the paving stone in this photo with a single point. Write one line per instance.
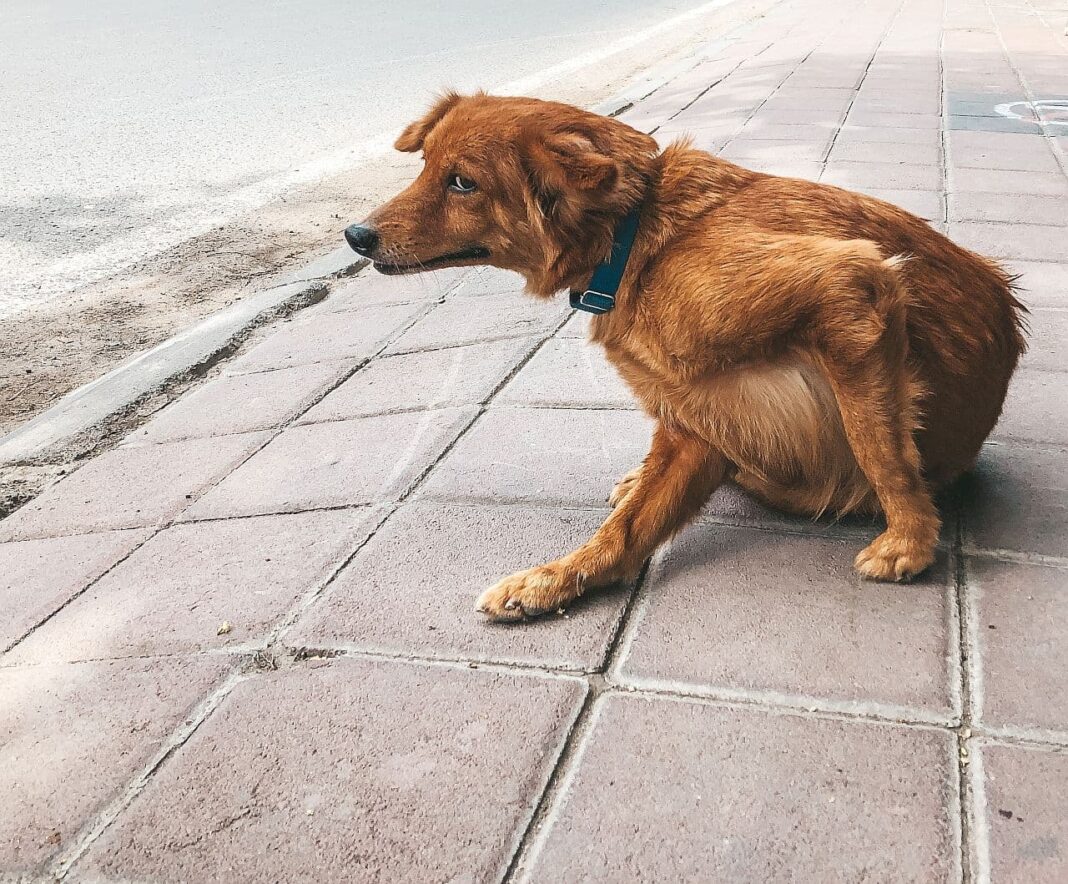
(495, 317)
(821, 135)
(798, 116)
(892, 176)
(1047, 341)
(1015, 241)
(741, 149)
(373, 289)
(427, 379)
(173, 595)
(39, 576)
(926, 204)
(885, 152)
(965, 180)
(578, 326)
(963, 123)
(340, 463)
(748, 610)
(130, 487)
(542, 455)
(812, 100)
(809, 170)
(1001, 150)
(361, 771)
(412, 589)
(489, 281)
(327, 337)
(867, 135)
(1036, 409)
(1014, 208)
(668, 790)
(1041, 284)
(1021, 618)
(242, 403)
(892, 119)
(566, 372)
(1024, 813)
(1017, 499)
(72, 736)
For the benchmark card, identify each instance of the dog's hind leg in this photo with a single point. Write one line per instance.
(678, 475)
(866, 364)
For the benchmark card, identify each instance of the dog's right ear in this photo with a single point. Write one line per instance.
(412, 138)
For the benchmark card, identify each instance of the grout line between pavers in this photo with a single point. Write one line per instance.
(61, 864)
(976, 820)
(970, 678)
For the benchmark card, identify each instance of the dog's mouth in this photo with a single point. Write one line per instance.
(474, 253)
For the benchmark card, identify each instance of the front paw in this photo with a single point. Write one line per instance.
(895, 557)
(529, 593)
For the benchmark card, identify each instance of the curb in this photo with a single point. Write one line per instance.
(131, 382)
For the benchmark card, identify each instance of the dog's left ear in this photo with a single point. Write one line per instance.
(412, 138)
(565, 160)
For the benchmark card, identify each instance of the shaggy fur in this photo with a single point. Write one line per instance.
(825, 350)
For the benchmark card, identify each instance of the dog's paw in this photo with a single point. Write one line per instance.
(623, 487)
(529, 593)
(893, 557)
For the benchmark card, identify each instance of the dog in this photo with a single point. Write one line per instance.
(824, 350)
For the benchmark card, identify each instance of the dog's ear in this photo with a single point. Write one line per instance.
(412, 138)
(570, 160)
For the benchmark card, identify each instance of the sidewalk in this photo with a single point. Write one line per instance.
(241, 645)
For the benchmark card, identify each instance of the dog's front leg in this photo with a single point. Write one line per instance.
(676, 478)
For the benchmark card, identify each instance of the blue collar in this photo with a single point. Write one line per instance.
(600, 294)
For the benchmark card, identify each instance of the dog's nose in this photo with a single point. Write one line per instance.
(363, 240)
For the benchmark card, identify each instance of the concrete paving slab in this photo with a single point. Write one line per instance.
(361, 770)
(201, 587)
(241, 403)
(489, 281)
(1024, 824)
(920, 154)
(1047, 343)
(1041, 284)
(1036, 410)
(373, 289)
(341, 463)
(1009, 181)
(1020, 616)
(742, 610)
(1015, 208)
(40, 576)
(130, 487)
(926, 204)
(1017, 500)
(568, 373)
(881, 175)
(462, 321)
(668, 789)
(412, 589)
(1001, 150)
(548, 456)
(73, 735)
(1030, 242)
(327, 337)
(428, 379)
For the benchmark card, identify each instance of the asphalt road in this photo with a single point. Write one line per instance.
(129, 125)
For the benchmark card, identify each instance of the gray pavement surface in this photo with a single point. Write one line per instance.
(240, 645)
(131, 125)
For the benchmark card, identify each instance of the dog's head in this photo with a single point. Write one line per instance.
(526, 185)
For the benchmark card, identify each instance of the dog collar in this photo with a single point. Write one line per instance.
(600, 294)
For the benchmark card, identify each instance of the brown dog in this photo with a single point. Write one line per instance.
(825, 350)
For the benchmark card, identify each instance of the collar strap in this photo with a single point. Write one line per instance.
(600, 294)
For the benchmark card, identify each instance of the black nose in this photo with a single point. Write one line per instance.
(364, 240)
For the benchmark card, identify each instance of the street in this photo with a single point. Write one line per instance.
(130, 126)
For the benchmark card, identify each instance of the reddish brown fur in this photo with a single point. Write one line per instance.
(823, 349)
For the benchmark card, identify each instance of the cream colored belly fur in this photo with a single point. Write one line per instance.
(780, 425)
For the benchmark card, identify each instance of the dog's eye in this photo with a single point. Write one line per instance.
(459, 184)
